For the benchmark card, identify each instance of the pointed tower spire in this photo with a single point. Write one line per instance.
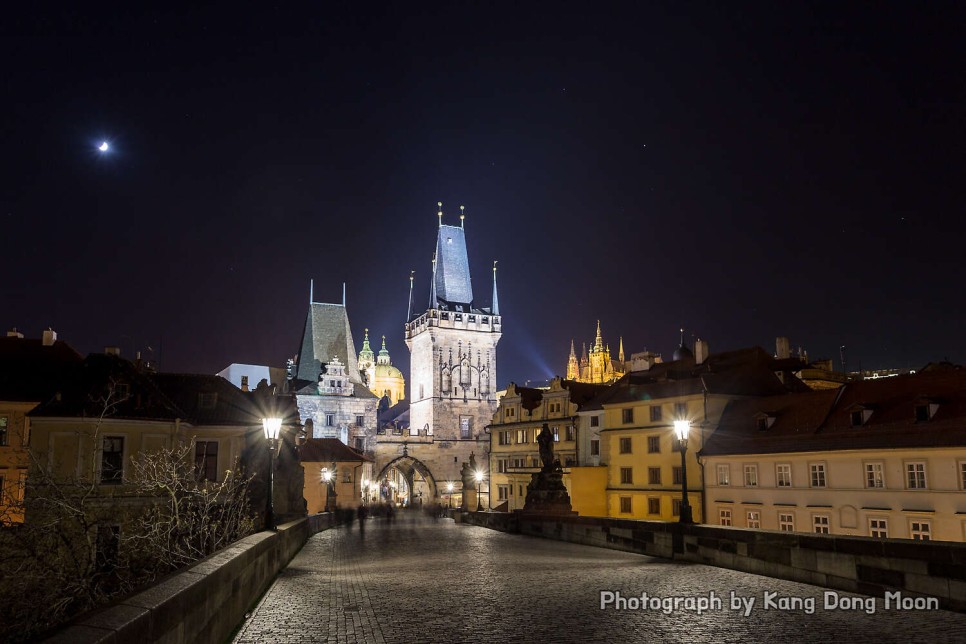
(439, 212)
(383, 353)
(343, 294)
(495, 309)
(409, 312)
(620, 351)
(311, 291)
(599, 342)
(462, 216)
(573, 370)
(366, 354)
(432, 289)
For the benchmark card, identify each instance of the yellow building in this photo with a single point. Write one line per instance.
(30, 372)
(514, 451)
(633, 420)
(882, 458)
(351, 482)
(379, 375)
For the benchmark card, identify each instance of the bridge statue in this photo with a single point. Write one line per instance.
(546, 493)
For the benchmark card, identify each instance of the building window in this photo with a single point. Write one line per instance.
(360, 421)
(751, 476)
(676, 475)
(21, 486)
(112, 460)
(627, 415)
(502, 465)
(820, 523)
(818, 474)
(879, 528)
(962, 475)
(360, 443)
(724, 517)
(873, 475)
(916, 476)
(762, 423)
(676, 507)
(919, 530)
(3, 430)
(654, 476)
(786, 522)
(653, 444)
(329, 420)
(206, 460)
(503, 438)
(570, 432)
(503, 492)
(521, 490)
(922, 413)
(724, 475)
(346, 475)
(465, 426)
(595, 447)
(595, 421)
(753, 519)
(783, 475)
(653, 506)
(625, 505)
(655, 413)
(522, 437)
(625, 446)
(627, 475)
(556, 433)
(681, 410)
(856, 418)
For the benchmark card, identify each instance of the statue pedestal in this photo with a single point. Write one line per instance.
(546, 493)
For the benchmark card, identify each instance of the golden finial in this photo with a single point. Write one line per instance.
(412, 275)
(462, 215)
(439, 213)
(494, 265)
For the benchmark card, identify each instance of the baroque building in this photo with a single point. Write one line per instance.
(453, 385)
(378, 374)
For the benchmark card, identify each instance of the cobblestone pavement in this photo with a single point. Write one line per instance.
(424, 580)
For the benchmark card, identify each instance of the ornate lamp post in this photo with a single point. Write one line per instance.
(681, 429)
(328, 475)
(272, 427)
(479, 490)
(365, 491)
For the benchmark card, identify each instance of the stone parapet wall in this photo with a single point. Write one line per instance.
(204, 603)
(855, 564)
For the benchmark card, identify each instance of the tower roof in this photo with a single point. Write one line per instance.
(327, 335)
(452, 278)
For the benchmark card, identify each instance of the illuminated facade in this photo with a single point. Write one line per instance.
(597, 367)
(379, 375)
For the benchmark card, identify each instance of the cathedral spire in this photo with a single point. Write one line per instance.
(495, 309)
(620, 352)
(599, 342)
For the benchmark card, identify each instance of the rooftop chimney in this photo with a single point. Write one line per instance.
(13, 333)
(112, 351)
(50, 337)
(701, 351)
(782, 348)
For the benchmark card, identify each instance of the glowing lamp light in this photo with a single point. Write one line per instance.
(326, 474)
(681, 429)
(449, 487)
(272, 427)
(479, 476)
(103, 147)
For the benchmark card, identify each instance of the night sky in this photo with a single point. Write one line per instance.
(742, 170)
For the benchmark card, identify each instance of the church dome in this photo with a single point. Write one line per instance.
(387, 371)
(682, 352)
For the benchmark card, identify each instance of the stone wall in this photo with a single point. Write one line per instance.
(855, 564)
(204, 603)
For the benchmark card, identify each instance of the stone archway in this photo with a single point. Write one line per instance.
(411, 467)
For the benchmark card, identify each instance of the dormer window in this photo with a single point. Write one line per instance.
(859, 415)
(764, 421)
(925, 409)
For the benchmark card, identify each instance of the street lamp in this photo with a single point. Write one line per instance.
(327, 476)
(365, 491)
(681, 429)
(272, 427)
(479, 490)
(449, 489)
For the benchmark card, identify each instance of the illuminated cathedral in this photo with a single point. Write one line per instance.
(597, 367)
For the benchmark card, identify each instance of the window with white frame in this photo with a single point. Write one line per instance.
(916, 476)
(466, 426)
(820, 523)
(502, 492)
(522, 436)
(501, 465)
(556, 433)
(874, 477)
(724, 516)
(724, 474)
(627, 475)
(783, 475)
(786, 522)
(595, 421)
(329, 420)
(570, 432)
(817, 474)
(653, 444)
(878, 527)
(751, 476)
(919, 530)
(753, 519)
(962, 475)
